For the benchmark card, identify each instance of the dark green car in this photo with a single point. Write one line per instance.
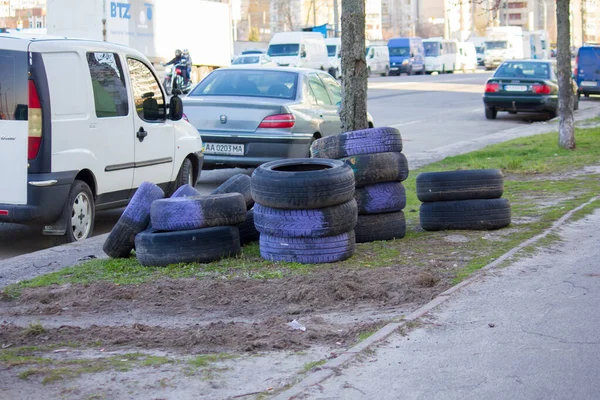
(523, 86)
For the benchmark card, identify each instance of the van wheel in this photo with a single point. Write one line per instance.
(185, 176)
(368, 71)
(80, 214)
(386, 72)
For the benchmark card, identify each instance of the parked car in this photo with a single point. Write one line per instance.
(466, 59)
(587, 70)
(378, 60)
(84, 123)
(299, 49)
(523, 86)
(248, 116)
(262, 60)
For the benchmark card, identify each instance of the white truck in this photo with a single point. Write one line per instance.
(535, 45)
(502, 43)
(156, 28)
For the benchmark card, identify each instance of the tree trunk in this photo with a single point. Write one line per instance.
(566, 127)
(354, 66)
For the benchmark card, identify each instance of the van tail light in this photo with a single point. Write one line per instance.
(34, 117)
(492, 87)
(540, 89)
(278, 121)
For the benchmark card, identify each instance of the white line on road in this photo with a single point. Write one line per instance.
(406, 123)
(478, 110)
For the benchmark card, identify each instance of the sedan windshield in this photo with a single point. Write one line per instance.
(432, 49)
(282, 50)
(523, 69)
(399, 51)
(253, 83)
(246, 60)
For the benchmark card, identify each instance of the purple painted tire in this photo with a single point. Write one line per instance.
(379, 167)
(364, 141)
(184, 213)
(135, 219)
(329, 221)
(380, 198)
(308, 250)
(185, 191)
(386, 226)
(302, 183)
(239, 183)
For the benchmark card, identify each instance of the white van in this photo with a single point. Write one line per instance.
(83, 124)
(378, 60)
(466, 58)
(334, 55)
(299, 49)
(440, 55)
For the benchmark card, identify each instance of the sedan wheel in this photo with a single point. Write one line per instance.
(490, 113)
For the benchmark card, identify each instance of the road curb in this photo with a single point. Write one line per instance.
(332, 366)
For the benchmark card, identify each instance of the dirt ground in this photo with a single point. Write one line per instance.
(245, 318)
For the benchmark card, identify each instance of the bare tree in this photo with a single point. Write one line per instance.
(354, 66)
(566, 127)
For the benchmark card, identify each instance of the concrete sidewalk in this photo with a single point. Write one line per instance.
(529, 331)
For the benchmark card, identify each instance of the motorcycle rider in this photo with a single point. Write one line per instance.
(180, 59)
(188, 57)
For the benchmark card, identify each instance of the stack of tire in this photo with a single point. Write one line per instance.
(305, 210)
(187, 227)
(375, 155)
(466, 199)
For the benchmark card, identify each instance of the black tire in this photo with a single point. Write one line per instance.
(302, 183)
(379, 167)
(185, 213)
(185, 176)
(364, 141)
(205, 245)
(491, 113)
(382, 197)
(80, 212)
(308, 250)
(248, 232)
(483, 214)
(329, 221)
(135, 219)
(185, 191)
(552, 114)
(238, 183)
(576, 104)
(386, 72)
(385, 226)
(460, 185)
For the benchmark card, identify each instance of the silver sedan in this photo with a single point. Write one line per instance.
(248, 116)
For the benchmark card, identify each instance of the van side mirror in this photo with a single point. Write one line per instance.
(175, 106)
(303, 54)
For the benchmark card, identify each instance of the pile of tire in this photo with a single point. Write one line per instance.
(305, 210)
(187, 227)
(375, 155)
(466, 199)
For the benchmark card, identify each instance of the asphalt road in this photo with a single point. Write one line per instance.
(430, 111)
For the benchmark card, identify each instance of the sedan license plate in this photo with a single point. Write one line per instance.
(588, 83)
(224, 149)
(515, 88)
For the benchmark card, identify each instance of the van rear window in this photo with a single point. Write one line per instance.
(13, 85)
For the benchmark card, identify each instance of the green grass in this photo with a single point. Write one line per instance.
(204, 360)
(55, 369)
(310, 365)
(535, 184)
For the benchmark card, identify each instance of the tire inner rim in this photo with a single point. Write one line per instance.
(81, 215)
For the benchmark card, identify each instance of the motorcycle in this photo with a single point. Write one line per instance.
(174, 79)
